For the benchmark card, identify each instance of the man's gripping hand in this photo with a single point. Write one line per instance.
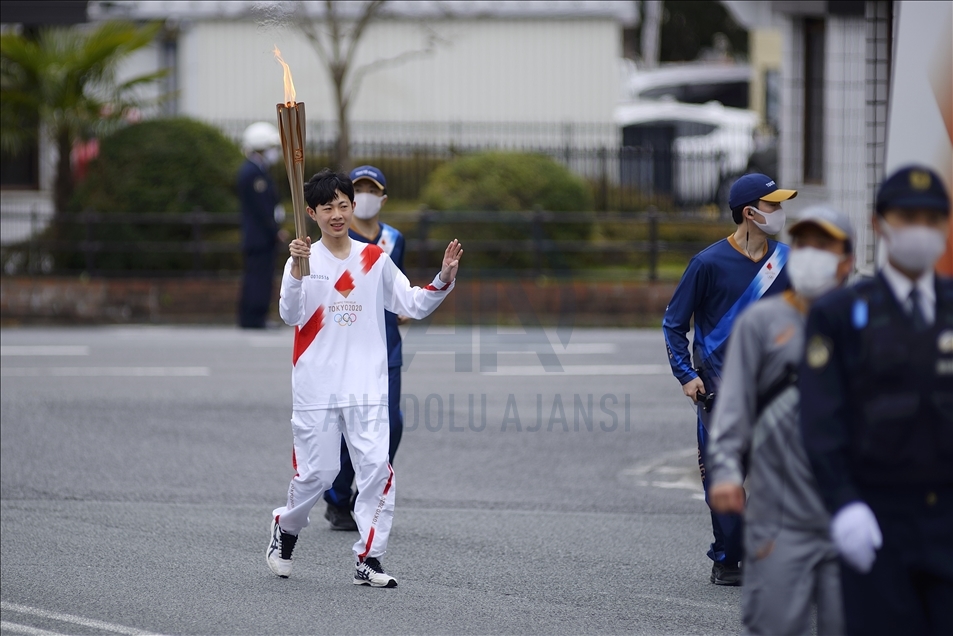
(693, 387)
(299, 248)
(451, 261)
(856, 535)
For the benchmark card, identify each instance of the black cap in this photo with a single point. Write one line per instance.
(913, 187)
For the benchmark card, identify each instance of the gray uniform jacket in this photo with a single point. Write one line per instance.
(782, 491)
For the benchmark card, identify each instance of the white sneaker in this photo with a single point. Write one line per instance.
(371, 573)
(279, 550)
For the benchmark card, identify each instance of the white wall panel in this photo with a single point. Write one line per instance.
(481, 71)
(845, 111)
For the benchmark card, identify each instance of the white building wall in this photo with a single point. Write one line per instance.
(845, 167)
(481, 71)
(845, 111)
(791, 135)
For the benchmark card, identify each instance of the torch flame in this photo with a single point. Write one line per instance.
(289, 85)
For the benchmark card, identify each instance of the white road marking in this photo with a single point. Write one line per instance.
(16, 628)
(69, 618)
(44, 350)
(579, 348)
(107, 372)
(673, 470)
(686, 482)
(659, 462)
(585, 369)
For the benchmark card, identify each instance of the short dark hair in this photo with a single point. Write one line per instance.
(736, 211)
(322, 188)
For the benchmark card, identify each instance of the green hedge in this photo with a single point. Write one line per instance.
(167, 166)
(508, 182)
(504, 181)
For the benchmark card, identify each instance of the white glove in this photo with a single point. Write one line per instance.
(856, 535)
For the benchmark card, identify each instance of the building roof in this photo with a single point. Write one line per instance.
(624, 12)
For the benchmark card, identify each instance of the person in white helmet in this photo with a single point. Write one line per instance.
(261, 213)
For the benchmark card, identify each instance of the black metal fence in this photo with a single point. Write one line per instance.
(669, 163)
(648, 245)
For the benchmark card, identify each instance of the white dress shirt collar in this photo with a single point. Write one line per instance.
(901, 286)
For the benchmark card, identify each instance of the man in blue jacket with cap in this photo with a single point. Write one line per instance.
(719, 282)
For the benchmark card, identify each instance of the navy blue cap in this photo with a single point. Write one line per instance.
(755, 187)
(913, 187)
(369, 172)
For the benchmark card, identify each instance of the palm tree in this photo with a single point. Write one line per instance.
(65, 81)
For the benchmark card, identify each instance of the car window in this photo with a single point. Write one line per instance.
(732, 94)
(673, 129)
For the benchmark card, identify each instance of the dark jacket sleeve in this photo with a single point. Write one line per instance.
(824, 403)
(259, 228)
(678, 319)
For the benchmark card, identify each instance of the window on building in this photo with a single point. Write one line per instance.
(20, 171)
(813, 101)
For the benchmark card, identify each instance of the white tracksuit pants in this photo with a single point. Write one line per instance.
(317, 461)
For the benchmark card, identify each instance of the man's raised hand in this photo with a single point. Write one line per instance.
(451, 261)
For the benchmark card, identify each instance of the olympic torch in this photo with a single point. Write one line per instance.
(291, 127)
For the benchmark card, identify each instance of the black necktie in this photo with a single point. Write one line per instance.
(916, 311)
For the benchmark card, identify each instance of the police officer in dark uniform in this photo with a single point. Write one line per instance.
(877, 418)
(260, 234)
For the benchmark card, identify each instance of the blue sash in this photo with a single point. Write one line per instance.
(759, 284)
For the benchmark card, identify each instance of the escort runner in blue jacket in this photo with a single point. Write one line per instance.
(718, 284)
(370, 194)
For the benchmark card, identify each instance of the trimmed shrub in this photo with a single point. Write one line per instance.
(503, 181)
(166, 166)
(509, 182)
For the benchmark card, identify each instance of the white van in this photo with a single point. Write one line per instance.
(690, 152)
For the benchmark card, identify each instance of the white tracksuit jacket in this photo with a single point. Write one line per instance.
(340, 347)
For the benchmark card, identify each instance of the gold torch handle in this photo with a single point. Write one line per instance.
(291, 125)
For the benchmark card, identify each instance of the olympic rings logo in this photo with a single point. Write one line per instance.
(345, 320)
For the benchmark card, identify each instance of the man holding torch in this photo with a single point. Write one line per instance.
(339, 375)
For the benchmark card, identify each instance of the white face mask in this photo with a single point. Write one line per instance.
(367, 205)
(915, 248)
(774, 221)
(271, 156)
(812, 271)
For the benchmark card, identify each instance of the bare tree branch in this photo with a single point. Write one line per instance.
(370, 12)
(358, 74)
(336, 46)
(309, 30)
(335, 34)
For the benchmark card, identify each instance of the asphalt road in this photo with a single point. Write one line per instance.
(140, 466)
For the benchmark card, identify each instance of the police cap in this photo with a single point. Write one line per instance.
(913, 187)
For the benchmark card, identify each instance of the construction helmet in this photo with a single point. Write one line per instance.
(260, 136)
